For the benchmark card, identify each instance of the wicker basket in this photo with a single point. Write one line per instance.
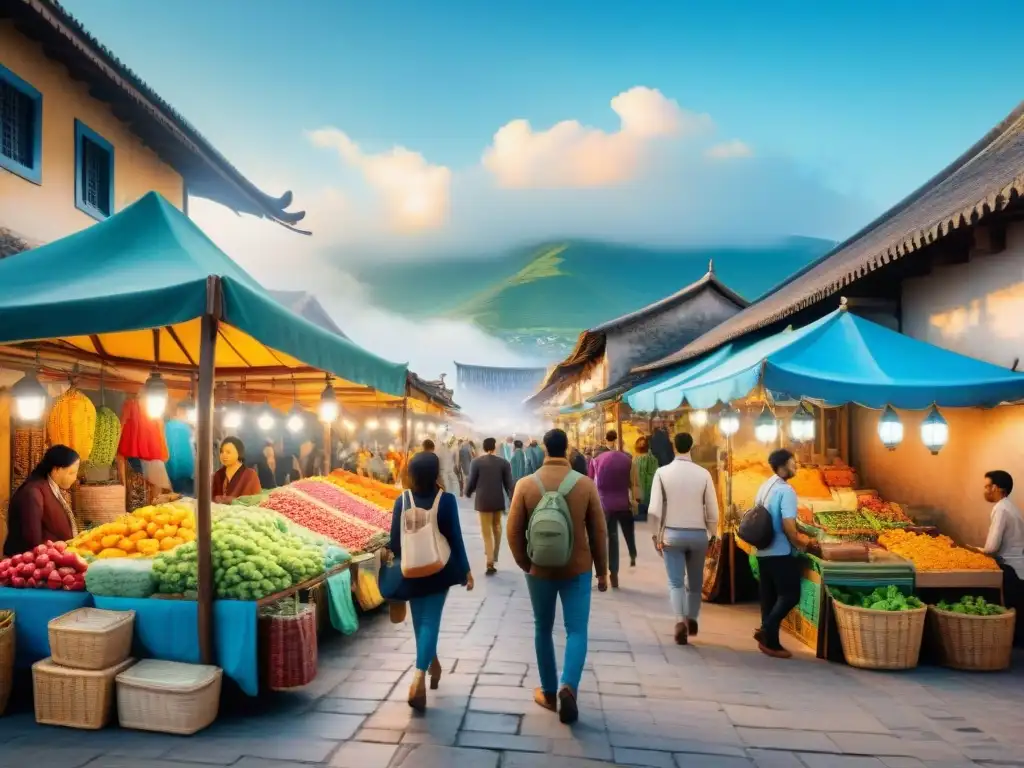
(880, 639)
(91, 638)
(291, 648)
(168, 696)
(975, 643)
(100, 503)
(6, 657)
(74, 698)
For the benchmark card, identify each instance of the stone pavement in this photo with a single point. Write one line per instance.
(644, 701)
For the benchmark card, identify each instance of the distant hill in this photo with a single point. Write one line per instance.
(542, 297)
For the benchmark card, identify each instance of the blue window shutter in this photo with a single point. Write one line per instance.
(94, 172)
(21, 127)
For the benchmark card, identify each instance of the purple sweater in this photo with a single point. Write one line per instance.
(611, 474)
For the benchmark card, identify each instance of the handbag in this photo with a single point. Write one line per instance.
(425, 550)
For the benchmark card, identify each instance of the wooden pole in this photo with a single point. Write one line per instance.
(204, 466)
(327, 448)
(618, 421)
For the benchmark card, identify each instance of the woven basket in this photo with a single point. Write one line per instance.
(291, 648)
(91, 638)
(6, 657)
(880, 639)
(74, 698)
(168, 696)
(974, 643)
(100, 503)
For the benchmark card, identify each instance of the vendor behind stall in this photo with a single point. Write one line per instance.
(1005, 542)
(38, 511)
(234, 479)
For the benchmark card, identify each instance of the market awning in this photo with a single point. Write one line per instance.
(568, 410)
(664, 392)
(841, 358)
(132, 289)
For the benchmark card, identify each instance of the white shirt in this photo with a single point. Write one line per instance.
(690, 493)
(1006, 535)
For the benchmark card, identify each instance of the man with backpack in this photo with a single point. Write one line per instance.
(490, 478)
(557, 534)
(777, 564)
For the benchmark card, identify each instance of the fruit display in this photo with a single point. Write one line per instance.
(72, 422)
(121, 578)
(144, 533)
(808, 484)
(972, 606)
(839, 475)
(377, 493)
(48, 566)
(883, 514)
(934, 553)
(338, 498)
(844, 523)
(889, 598)
(105, 438)
(253, 556)
(343, 529)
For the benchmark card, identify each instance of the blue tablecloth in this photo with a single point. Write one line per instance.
(168, 629)
(33, 609)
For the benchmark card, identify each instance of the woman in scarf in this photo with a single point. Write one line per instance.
(234, 479)
(38, 511)
(426, 594)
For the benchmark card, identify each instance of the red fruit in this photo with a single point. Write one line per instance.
(37, 574)
(42, 560)
(5, 564)
(60, 546)
(30, 583)
(66, 571)
(68, 580)
(78, 586)
(16, 560)
(78, 563)
(41, 549)
(26, 569)
(17, 582)
(54, 581)
(48, 568)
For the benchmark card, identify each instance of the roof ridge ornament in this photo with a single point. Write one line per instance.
(711, 266)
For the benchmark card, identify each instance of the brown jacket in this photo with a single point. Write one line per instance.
(590, 536)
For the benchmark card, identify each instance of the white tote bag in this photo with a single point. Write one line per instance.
(425, 551)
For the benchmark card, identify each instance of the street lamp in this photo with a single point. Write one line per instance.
(29, 397)
(155, 394)
(801, 425)
(890, 428)
(934, 431)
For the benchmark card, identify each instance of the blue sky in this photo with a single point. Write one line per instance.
(854, 103)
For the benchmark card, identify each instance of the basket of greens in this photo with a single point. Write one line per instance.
(881, 629)
(973, 634)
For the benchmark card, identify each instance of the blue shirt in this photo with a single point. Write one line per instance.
(780, 502)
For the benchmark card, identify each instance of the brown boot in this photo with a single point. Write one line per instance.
(775, 653)
(396, 612)
(435, 673)
(568, 710)
(691, 627)
(546, 700)
(681, 633)
(418, 691)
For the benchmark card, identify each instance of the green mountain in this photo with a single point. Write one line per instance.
(542, 297)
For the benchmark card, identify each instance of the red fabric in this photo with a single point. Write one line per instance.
(35, 517)
(141, 437)
(245, 482)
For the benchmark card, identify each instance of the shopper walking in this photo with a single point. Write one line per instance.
(645, 464)
(777, 564)
(613, 474)
(518, 462)
(686, 507)
(467, 452)
(564, 506)
(424, 505)
(490, 478)
(449, 460)
(534, 457)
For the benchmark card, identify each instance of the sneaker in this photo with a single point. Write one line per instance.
(775, 653)
(681, 633)
(568, 709)
(759, 635)
(691, 627)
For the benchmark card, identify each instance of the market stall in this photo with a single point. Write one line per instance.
(145, 301)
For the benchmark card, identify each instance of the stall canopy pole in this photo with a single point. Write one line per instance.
(618, 421)
(327, 448)
(405, 427)
(204, 465)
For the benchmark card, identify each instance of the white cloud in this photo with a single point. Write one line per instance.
(730, 149)
(571, 155)
(414, 192)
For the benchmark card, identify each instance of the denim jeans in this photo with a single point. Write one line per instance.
(684, 550)
(780, 593)
(426, 624)
(615, 519)
(575, 596)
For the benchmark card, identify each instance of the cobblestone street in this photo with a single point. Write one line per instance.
(644, 701)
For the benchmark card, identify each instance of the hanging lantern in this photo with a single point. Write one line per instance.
(766, 428)
(372, 424)
(349, 425)
(154, 392)
(329, 408)
(699, 418)
(729, 421)
(890, 428)
(801, 425)
(296, 422)
(395, 426)
(266, 420)
(232, 415)
(29, 397)
(934, 431)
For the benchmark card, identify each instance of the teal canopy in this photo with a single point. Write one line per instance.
(568, 410)
(841, 358)
(102, 290)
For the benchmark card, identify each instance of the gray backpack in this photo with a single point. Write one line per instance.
(549, 532)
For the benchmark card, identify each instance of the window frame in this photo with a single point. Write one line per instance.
(35, 173)
(83, 131)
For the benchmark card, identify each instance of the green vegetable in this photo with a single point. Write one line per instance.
(106, 436)
(888, 598)
(972, 606)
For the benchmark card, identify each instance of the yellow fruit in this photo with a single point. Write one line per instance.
(110, 540)
(111, 552)
(72, 422)
(119, 528)
(152, 528)
(148, 547)
(161, 519)
(177, 516)
(127, 545)
(189, 522)
(170, 529)
(138, 535)
(160, 535)
(169, 543)
(187, 534)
